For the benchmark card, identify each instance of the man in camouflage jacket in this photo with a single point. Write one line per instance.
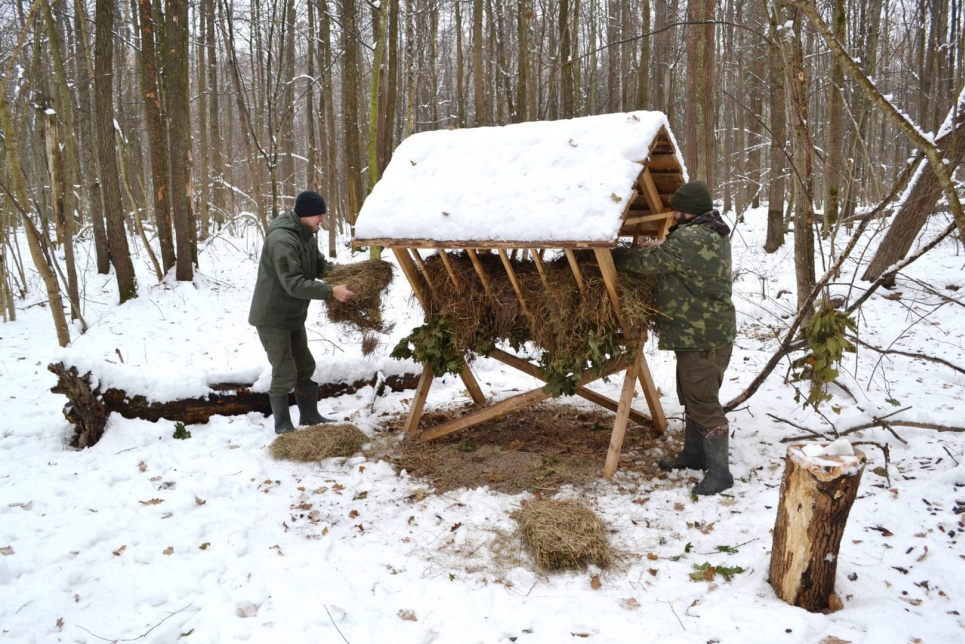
(697, 322)
(287, 272)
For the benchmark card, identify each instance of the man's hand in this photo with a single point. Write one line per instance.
(341, 293)
(652, 242)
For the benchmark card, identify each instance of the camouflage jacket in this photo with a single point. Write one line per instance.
(693, 287)
(286, 282)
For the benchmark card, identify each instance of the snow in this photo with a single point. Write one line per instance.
(208, 539)
(544, 181)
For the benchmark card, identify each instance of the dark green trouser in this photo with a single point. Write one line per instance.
(699, 376)
(291, 361)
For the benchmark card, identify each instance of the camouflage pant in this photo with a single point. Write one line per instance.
(699, 376)
(291, 361)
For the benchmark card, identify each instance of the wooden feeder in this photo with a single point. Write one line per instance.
(550, 186)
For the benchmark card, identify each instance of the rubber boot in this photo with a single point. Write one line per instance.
(718, 477)
(283, 419)
(691, 457)
(307, 398)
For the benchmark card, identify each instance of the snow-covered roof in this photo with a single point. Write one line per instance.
(533, 183)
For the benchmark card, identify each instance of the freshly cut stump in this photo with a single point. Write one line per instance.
(820, 485)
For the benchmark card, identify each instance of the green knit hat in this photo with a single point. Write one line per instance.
(692, 198)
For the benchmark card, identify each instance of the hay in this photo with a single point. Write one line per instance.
(319, 442)
(560, 320)
(564, 534)
(363, 312)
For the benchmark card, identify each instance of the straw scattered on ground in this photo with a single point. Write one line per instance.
(316, 443)
(563, 534)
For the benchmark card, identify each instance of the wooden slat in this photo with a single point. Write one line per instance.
(444, 256)
(422, 268)
(412, 274)
(540, 268)
(484, 244)
(575, 267)
(479, 269)
(640, 220)
(651, 193)
(472, 385)
(650, 390)
(620, 422)
(604, 259)
(516, 285)
(599, 399)
(418, 402)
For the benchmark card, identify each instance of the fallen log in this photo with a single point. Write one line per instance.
(819, 486)
(88, 407)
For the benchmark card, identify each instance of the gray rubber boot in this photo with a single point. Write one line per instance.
(692, 456)
(718, 477)
(306, 396)
(283, 419)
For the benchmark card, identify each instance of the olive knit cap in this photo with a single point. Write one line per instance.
(692, 198)
(309, 204)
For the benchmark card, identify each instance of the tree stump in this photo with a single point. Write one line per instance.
(820, 485)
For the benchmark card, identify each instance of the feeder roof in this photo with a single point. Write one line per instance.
(527, 184)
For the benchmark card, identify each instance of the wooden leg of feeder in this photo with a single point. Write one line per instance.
(418, 402)
(495, 411)
(623, 413)
(472, 386)
(650, 392)
(816, 497)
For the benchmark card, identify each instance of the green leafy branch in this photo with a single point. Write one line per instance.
(431, 345)
(827, 343)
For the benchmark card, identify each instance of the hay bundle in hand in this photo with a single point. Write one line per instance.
(319, 442)
(564, 534)
(369, 281)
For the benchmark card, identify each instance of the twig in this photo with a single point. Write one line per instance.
(674, 614)
(334, 624)
(945, 447)
(907, 354)
(907, 423)
(813, 433)
(884, 450)
(142, 635)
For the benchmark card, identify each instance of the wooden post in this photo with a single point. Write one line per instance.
(818, 489)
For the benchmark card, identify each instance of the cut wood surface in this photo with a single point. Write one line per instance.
(816, 497)
(88, 407)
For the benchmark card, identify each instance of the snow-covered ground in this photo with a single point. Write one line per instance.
(210, 540)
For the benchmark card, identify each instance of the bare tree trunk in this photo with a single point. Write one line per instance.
(479, 95)
(107, 153)
(612, 56)
(350, 111)
(460, 70)
(777, 191)
(643, 73)
(834, 168)
(179, 134)
(215, 154)
(156, 137)
(523, 83)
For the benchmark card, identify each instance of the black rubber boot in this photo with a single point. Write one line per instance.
(718, 477)
(283, 419)
(691, 457)
(307, 398)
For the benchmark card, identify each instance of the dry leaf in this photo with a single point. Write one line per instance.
(141, 466)
(678, 507)
(6, 551)
(169, 550)
(652, 571)
(199, 500)
(303, 506)
(630, 603)
(117, 553)
(595, 582)
(652, 556)
(353, 514)
(834, 604)
(60, 623)
(831, 639)
(911, 600)
(152, 502)
(407, 615)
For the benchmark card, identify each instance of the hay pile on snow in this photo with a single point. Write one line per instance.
(564, 534)
(319, 442)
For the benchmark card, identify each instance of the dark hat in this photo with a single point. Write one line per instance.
(693, 198)
(309, 204)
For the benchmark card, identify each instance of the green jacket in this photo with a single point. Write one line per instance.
(290, 263)
(693, 285)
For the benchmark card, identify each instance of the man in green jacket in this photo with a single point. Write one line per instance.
(697, 321)
(286, 284)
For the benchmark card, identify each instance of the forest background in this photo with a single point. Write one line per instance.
(157, 122)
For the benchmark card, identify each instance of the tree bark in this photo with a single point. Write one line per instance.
(351, 87)
(107, 153)
(179, 134)
(816, 497)
(777, 190)
(479, 95)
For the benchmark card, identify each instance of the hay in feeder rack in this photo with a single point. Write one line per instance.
(505, 234)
